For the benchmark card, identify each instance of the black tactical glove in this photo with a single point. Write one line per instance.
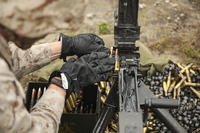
(88, 69)
(81, 44)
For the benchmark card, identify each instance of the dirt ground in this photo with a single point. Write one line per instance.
(172, 27)
(167, 26)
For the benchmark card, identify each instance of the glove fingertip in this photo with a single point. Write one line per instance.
(98, 39)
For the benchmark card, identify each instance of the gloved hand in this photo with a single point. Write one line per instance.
(87, 69)
(81, 44)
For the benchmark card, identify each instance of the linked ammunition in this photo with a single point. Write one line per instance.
(107, 130)
(72, 102)
(73, 96)
(44, 90)
(151, 117)
(99, 89)
(150, 128)
(150, 122)
(103, 99)
(103, 85)
(68, 106)
(107, 88)
(39, 93)
(116, 61)
(76, 95)
(145, 129)
(114, 127)
(32, 98)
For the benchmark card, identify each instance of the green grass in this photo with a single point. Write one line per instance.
(104, 28)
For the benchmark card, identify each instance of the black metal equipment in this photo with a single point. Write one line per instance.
(129, 96)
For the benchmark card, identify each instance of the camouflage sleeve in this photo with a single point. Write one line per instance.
(14, 117)
(27, 61)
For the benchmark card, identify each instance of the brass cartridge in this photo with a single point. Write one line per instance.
(116, 61)
(44, 90)
(32, 98)
(165, 88)
(145, 129)
(103, 85)
(174, 93)
(172, 86)
(39, 93)
(180, 83)
(169, 80)
(197, 93)
(107, 88)
(103, 99)
(188, 75)
(187, 67)
(192, 84)
(73, 96)
(68, 106)
(71, 101)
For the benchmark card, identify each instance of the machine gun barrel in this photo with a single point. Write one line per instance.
(161, 103)
(126, 21)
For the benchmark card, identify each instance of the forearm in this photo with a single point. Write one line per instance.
(55, 48)
(27, 61)
(50, 107)
(45, 115)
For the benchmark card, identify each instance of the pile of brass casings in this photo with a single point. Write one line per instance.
(104, 88)
(36, 95)
(180, 80)
(71, 102)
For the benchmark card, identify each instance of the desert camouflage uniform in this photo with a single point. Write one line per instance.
(14, 118)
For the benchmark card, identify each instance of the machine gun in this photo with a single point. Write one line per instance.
(129, 96)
